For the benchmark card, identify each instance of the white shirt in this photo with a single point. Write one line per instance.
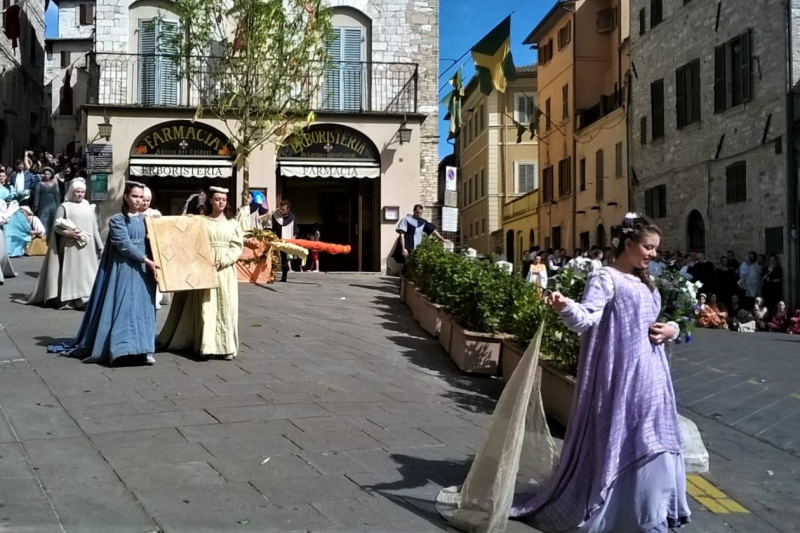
(655, 268)
(539, 278)
(685, 273)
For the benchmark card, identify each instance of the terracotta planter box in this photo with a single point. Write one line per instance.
(430, 316)
(446, 333)
(476, 353)
(405, 286)
(413, 301)
(510, 357)
(558, 388)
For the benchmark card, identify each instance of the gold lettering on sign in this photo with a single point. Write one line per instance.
(149, 142)
(157, 138)
(167, 134)
(177, 132)
(190, 134)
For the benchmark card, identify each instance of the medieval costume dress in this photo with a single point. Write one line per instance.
(621, 468)
(206, 322)
(120, 318)
(46, 200)
(70, 266)
(6, 211)
(412, 230)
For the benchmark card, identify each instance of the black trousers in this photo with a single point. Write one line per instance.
(284, 265)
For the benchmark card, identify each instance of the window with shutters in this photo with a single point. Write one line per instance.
(643, 130)
(656, 13)
(657, 108)
(733, 68)
(687, 90)
(86, 15)
(582, 174)
(523, 108)
(483, 226)
(618, 160)
(655, 201)
(565, 101)
(555, 232)
(483, 183)
(65, 59)
(545, 52)
(159, 78)
(343, 88)
(547, 121)
(642, 21)
(33, 44)
(547, 183)
(736, 182)
(564, 177)
(565, 35)
(527, 177)
(482, 117)
(599, 176)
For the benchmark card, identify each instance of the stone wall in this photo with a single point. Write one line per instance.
(69, 26)
(23, 123)
(692, 162)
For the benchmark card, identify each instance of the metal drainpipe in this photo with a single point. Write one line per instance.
(574, 162)
(791, 170)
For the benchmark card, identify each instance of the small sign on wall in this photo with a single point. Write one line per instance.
(450, 175)
(391, 213)
(449, 219)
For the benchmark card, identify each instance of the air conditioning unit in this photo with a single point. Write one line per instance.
(605, 20)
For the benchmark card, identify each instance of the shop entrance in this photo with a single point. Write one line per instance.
(179, 158)
(345, 212)
(331, 175)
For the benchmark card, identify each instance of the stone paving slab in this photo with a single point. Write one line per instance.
(362, 418)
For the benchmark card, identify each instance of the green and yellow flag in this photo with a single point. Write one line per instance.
(452, 101)
(492, 56)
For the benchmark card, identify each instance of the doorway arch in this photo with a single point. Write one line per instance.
(600, 236)
(510, 245)
(696, 232)
(531, 239)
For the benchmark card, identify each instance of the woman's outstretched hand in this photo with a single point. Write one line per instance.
(557, 301)
(661, 333)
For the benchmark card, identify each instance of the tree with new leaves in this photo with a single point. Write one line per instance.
(256, 65)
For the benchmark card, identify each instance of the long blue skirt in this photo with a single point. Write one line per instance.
(120, 318)
(18, 234)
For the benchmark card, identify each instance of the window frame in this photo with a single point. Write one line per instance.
(518, 173)
(565, 35)
(618, 160)
(687, 94)
(656, 13)
(86, 15)
(657, 125)
(736, 183)
(726, 81)
(523, 116)
(565, 102)
(655, 201)
(565, 177)
(582, 174)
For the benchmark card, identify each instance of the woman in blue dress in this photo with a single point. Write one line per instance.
(46, 199)
(120, 316)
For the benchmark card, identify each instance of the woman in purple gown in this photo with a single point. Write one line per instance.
(621, 467)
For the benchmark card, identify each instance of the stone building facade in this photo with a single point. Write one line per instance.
(395, 42)
(25, 120)
(65, 74)
(708, 126)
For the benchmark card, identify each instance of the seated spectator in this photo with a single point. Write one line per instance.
(778, 321)
(760, 314)
(713, 315)
(794, 324)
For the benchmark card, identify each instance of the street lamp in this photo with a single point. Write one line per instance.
(104, 129)
(404, 133)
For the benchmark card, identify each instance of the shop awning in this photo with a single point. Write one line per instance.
(332, 169)
(182, 168)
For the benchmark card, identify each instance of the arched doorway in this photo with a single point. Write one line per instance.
(332, 176)
(531, 239)
(510, 245)
(600, 237)
(696, 232)
(178, 158)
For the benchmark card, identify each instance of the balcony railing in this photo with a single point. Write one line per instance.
(607, 104)
(156, 81)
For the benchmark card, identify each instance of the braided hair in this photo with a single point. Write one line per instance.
(634, 228)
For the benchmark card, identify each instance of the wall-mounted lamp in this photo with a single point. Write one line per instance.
(404, 133)
(104, 129)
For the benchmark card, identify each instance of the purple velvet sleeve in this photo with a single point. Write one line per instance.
(580, 316)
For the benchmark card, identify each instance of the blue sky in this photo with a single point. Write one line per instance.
(462, 23)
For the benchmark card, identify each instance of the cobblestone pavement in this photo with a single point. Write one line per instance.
(339, 415)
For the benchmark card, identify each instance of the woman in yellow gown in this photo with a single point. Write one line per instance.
(206, 322)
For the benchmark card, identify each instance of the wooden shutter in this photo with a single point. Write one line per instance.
(657, 107)
(147, 62)
(65, 58)
(86, 15)
(648, 203)
(746, 66)
(331, 87)
(599, 174)
(643, 130)
(719, 78)
(680, 96)
(582, 172)
(694, 91)
(662, 201)
(352, 89)
(642, 21)
(548, 121)
(618, 160)
(168, 73)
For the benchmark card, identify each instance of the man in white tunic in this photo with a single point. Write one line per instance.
(70, 267)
